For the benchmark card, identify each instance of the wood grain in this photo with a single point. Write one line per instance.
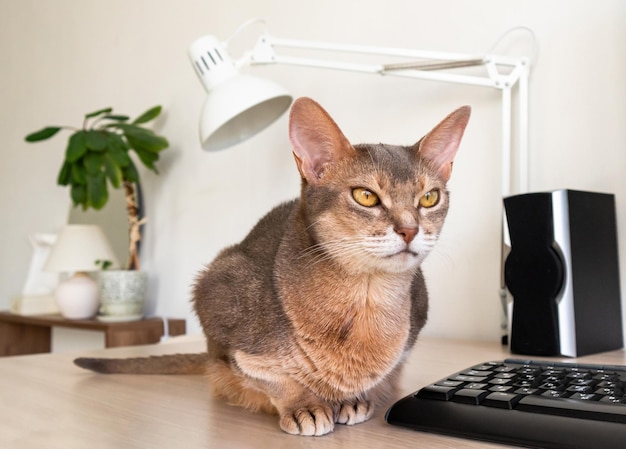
(45, 401)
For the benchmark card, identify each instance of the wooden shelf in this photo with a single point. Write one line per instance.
(21, 334)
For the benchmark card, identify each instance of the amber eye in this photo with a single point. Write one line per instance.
(430, 198)
(365, 197)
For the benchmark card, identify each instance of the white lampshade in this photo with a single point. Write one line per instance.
(237, 106)
(77, 248)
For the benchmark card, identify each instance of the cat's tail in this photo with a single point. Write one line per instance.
(163, 364)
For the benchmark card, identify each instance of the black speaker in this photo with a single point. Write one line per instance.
(563, 273)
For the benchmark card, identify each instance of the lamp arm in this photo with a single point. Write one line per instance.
(428, 65)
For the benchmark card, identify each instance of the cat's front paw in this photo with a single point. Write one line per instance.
(310, 421)
(354, 412)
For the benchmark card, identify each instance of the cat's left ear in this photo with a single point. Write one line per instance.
(316, 139)
(441, 144)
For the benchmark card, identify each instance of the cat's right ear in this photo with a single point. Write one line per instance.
(441, 144)
(316, 139)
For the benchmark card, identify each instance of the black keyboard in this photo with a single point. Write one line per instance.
(525, 403)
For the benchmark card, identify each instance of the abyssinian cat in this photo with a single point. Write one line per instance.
(312, 315)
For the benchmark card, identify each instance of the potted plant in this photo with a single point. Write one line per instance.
(98, 155)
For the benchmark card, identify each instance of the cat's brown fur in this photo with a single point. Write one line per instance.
(312, 315)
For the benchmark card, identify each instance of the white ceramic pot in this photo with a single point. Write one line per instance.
(122, 295)
(77, 297)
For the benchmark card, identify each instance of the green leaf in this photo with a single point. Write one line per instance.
(144, 138)
(148, 158)
(118, 150)
(113, 172)
(75, 147)
(65, 175)
(150, 114)
(97, 193)
(98, 112)
(79, 174)
(93, 162)
(79, 195)
(130, 172)
(120, 118)
(103, 264)
(96, 140)
(42, 134)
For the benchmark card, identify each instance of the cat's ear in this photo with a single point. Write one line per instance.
(440, 145)
(316, 139)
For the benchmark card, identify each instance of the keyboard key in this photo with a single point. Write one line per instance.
(501, 388)
(608, 384)
(581, 381)
(613, 400)
(585, 396)
(468, 396)
(529, 371)
(501, 400)
(464, 378)
(450, 383)
(609, 375)
(609, 391)
(552, 372)
(526, 390)
(579, 389)
(576, 409)
(552, 386)
(579, 375)
(486, 366)
(496, 381)
(476, 386)
(554, 394)
(474, 372)
(505, 369)
(437, 392)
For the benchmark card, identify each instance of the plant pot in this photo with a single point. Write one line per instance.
(122, 295)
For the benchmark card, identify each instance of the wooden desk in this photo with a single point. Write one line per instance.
(21, 334)
(45, 401)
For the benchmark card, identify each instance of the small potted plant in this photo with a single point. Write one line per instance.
(98, 155)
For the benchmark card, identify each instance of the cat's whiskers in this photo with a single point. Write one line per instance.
(308, 228)
(370, 252)
(343, 249)
(333, 248)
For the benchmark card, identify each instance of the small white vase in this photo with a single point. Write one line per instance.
(122, 295)
(77, 297)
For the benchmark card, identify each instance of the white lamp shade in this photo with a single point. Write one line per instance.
(238, 108)
(77, 248)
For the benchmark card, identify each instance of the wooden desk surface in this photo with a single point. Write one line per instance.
(45, 401)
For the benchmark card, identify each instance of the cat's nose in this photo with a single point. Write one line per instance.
(407, 233)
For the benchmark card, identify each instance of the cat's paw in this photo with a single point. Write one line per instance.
(310, 421)
(354, 412)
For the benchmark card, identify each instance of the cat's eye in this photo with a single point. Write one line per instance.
(365, 197)
(430, 198)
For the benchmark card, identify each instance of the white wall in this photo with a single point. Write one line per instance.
(60, 59)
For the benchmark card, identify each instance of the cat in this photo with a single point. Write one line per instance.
(312, 315)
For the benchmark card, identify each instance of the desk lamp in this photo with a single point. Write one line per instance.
(76, 251)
